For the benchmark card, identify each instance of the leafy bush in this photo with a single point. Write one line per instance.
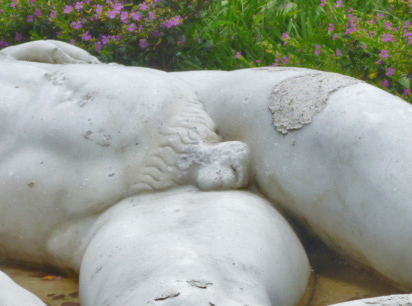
(133, 32)
(366, 39)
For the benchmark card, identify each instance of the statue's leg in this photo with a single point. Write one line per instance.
(334, 152)
(187, 247)
(12, 294)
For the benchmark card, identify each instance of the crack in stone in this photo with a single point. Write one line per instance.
(199, 284)
(173, 295)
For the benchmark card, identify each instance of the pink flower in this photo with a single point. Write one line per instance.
(182, 40)
(32, 1)
(118, 6)
(79, 6)
(372, 33)
(391, 71)
(73, 42)
(387, 37)
(378, 18)
(388, 25)
(379, 62)
(175, 21)
(385, 53)
(125, 17)
(144, 6)
(19, 36)
(285, 60)
(143, 43)
(258, 61)
(14, 4)
(38, 12)
(406, 92)
(98, 46)
(132, 27)
(152, 15)
(76, 25)
(86, 36)
(53, 14)
(30, 18)
(3, 43)
(318, 49)
(112, 14)
(323, 2)
(1, 11)
(136, 15)
(68, 9)
(105, 40)
(238, 54)
(385, 83)
(331, 27)
(99, 9)
(286, 36)
(338, 52)
(335, 37)
(339, 3)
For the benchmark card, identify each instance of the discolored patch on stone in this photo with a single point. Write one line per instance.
(70, 304)
(295, 101)
(74, 294)
(199, 284)
(59, 297)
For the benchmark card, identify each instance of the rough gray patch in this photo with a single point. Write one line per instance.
(56, 78)
(393, 300)
(295, 101)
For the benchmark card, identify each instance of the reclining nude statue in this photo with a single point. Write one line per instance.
(158, 188)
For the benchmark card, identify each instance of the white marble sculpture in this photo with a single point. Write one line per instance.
(117, 173)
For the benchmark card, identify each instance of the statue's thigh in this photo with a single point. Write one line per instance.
(222, 248)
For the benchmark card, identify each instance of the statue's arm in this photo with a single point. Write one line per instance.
(51, 52)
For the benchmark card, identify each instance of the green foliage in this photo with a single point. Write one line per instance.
(349, 37)
(148, 33)
(367, 39)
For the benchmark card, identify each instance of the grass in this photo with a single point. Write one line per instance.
(243, 34)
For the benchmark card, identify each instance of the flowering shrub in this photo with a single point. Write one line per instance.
(367, 39)
(134, 32)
